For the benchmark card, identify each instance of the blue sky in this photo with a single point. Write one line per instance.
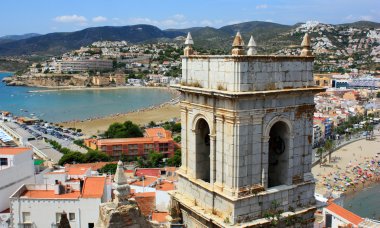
(46, 16)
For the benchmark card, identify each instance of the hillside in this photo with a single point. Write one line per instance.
(58, 43)
(270, 37)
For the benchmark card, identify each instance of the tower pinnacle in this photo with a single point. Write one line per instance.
(306, 44)
(189, 45)
(252, 47)
(122, 189)
(238, 45)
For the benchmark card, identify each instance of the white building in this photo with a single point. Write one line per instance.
(42, 205)
(336, 216)
(16, 169)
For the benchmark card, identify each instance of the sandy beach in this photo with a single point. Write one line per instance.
(353, 167)
(99, 125)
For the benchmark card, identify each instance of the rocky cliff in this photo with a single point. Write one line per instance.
(47, 80)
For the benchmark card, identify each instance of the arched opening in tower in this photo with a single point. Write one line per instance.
(278, 159)
(202, 148)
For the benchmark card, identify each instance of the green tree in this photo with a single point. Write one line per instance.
(320, 155)
(109, 168)
(72, 157)
(125, 130)
(155, 159)
(175, 160)
(95, 156)
(329, 147)
(177, 139)
(152, 124)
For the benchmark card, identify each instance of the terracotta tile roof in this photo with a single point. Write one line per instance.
(94, 166)
(49, 194)
(153, 172)
(146, 202)
(148, 181)
(165, 186)
(13, 151)
(158, 132)
(77, 170)
(159, 216)
(151, 135)
(345, 214)
(93, 187)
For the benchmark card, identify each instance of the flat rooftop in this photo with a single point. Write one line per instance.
(13, 150)
(49, 194)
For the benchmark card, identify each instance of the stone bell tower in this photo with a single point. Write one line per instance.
(246, 139)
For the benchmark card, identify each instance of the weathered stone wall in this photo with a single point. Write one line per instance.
(241, 99)
(247, 73)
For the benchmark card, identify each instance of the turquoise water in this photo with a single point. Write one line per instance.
(58, 106)
(365, 203)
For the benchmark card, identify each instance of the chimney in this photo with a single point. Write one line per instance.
(81, 182)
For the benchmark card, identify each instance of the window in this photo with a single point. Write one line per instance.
(26, 217)
(163, 147)
(72, 217)
(58, 217)
(104, 148)
(202, 148)
(148, 148)
(91, 225)
(133, 149)
(117, 147)
(4, 161)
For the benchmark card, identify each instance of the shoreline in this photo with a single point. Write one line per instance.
(156, 113)
(82, 88)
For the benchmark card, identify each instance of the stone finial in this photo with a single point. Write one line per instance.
(120, 177)
(306, 46)
(189, 45)
(252, 47)
(122, 189)
(238, 45)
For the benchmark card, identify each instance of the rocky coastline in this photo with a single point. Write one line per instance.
(49, 81)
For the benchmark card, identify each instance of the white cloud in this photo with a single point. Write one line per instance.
(99, 19)
(210, 23)
(262, 6)
(366, 18)
(175, 21)
(71, 19)
(179, 17)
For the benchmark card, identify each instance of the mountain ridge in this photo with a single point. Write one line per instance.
(57, 43)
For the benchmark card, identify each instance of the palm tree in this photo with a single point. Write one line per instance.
(329, 146)
(320, 155)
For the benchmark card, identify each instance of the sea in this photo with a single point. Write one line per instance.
(60, 106)
(365, 203)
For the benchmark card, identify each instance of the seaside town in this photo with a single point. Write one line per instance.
(287, 138)
(106, 64)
